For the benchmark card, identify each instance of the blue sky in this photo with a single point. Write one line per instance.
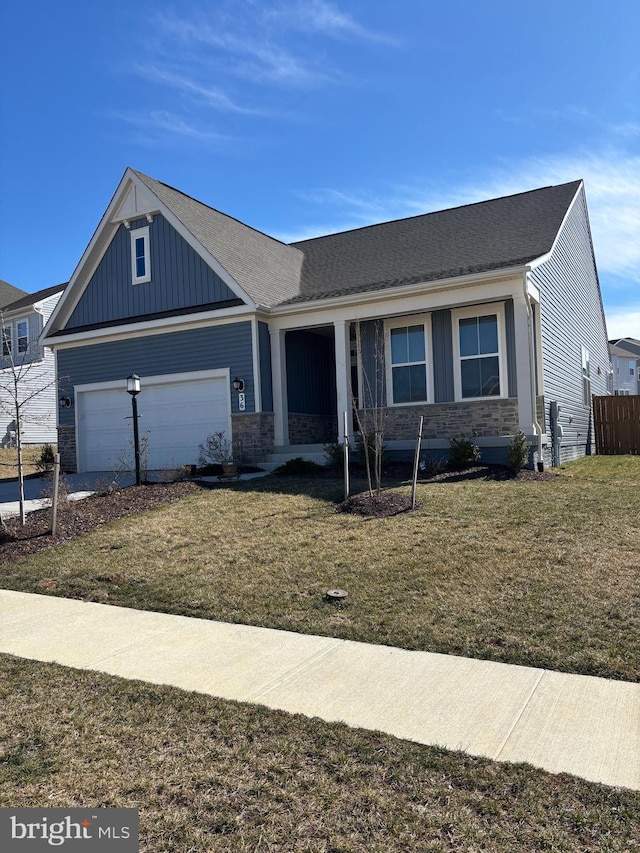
(304, 117)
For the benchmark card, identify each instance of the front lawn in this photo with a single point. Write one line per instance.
(210, 775)
(536, 573)
(31, 453)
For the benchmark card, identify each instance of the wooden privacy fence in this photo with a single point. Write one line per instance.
(616, 422)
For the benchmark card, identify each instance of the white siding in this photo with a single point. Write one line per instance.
(37, 382)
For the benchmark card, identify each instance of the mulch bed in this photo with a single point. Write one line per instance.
(78, 517)
(387, 504)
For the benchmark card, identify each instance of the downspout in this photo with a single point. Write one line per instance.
(532, 366)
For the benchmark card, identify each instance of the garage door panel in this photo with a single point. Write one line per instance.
(175, 418)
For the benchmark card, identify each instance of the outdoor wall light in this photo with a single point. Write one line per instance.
(238, 384)
(133, 384)
(133, 388)
(65, 402)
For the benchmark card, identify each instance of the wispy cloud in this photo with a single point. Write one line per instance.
(317, 16)
(252, 48)
(159, 124)
(211, 95)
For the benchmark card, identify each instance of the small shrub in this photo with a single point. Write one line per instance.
(518, 452)
(429, 466)
(46, 460)
(47, 490)
(298, 467)
(334, 454)
(216, 449)
(463, 453)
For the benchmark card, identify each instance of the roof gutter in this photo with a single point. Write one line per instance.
(397, 291)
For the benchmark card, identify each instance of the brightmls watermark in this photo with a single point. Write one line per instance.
(79, 830)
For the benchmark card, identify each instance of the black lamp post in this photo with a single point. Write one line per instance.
(133, 387)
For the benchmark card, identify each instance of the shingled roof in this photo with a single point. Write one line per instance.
(268, 270)
(8, 293)
(489, 235)
(31, 298)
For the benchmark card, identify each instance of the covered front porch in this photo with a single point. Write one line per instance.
(408, 358)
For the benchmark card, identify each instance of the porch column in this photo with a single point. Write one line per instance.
(280, 400)
(343, 376)
(525, 379)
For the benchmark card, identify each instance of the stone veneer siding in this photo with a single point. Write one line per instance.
(312, 429)
(485, 418)
(67, 449)
(253, 436)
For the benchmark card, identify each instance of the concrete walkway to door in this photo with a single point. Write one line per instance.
(586, 726)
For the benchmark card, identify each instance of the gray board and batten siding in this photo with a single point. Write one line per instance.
(221, 347)
(571, 316)
(371, 336)
(180, 279)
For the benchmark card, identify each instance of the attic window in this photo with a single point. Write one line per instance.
(140, 261)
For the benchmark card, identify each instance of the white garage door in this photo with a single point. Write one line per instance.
(176, 412)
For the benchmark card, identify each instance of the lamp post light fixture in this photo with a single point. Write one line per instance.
(133, 388)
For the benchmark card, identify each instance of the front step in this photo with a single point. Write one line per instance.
(312, 452)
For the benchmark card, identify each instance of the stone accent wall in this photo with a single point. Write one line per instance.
(253, 436)
(312, 429)
(67, 449)
(485, 418)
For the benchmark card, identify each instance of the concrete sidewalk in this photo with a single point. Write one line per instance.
(577, 724)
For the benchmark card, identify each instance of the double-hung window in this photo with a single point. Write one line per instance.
(407, 348)
(7, 341)
(22, 335)
(140, 260)
(479, 347)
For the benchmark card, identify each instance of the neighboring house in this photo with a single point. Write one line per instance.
(482, 318)
(625, 362)
(27, 369)
(9, 293)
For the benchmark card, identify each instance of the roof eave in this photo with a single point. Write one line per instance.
(388, 294)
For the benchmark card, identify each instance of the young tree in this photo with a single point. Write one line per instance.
(24, 376)
(371, 417)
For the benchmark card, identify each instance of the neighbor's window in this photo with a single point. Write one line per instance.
(22, 336)
(140, 262)
(479, 335)
(632, 368)
(407, 365)
(6, 340)
(586, 377)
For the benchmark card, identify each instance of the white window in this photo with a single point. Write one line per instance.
(632, 370)
(140, 260)
(479, 352)
(7, 347)
(586, 377)
(407, 344)
(22, 336)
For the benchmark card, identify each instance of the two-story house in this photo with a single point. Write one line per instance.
(27, 369)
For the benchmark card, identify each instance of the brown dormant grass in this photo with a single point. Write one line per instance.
(209, 775)
(536, 573)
